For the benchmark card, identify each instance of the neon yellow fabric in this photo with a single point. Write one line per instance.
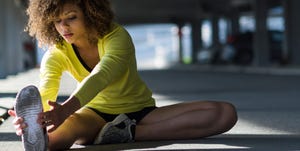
(113, 86)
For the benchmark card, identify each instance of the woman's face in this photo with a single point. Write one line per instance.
(70, 24)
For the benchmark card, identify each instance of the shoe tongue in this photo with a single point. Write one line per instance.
(122, 125)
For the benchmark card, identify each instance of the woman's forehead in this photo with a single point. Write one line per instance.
(67, 8)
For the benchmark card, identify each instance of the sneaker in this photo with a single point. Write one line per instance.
(120, 130)
(28, 105)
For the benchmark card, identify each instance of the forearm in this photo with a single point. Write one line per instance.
(71, 105)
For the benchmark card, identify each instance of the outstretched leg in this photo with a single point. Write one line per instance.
(81, 128)
(187, 121)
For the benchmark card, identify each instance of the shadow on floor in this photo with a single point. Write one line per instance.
(9, 136)
(223, 142)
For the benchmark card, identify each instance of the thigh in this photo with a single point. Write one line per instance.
(81, 127)
(170, 111)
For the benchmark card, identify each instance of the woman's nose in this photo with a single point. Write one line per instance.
(64, 24)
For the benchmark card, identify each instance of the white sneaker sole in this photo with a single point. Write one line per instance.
(28, 105)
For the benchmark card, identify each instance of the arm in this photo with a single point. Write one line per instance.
(51, 71)
(58, 113)
(50, 76)
(118, 49)
(118, 52)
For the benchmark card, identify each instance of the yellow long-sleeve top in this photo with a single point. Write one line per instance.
(113, 86)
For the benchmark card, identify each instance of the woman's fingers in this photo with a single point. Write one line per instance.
(41, 118)
(44, 119)
(19, 132)
(19, 125)
(12, 113)
(51, 128)
(18, 120)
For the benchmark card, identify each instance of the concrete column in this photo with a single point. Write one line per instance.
(196, 38)
(11, 38)
(292, 24)
(215, 31)
(234, 23)
(3, 58)
(180, 41)
(216, 45)
(15, 36)
(261, 42)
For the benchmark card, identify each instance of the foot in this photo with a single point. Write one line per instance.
(120, 130)
(28, 105)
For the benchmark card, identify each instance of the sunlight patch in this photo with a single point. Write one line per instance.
(194, 146)
(247, 127)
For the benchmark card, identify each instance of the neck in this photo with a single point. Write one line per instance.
(85, 46)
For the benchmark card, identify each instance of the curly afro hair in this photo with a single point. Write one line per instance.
(42, 13)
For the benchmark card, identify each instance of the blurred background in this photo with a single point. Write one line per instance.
(260, 33)
(193, 45)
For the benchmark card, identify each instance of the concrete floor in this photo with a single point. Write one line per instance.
(267, 103)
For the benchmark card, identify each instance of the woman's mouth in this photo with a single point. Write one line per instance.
(67, 36)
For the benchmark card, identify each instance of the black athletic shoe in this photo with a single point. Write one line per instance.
(28, 105)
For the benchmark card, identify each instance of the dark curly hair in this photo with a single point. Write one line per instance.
(42, 13)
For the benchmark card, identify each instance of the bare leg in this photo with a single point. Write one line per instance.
(81, 128)
(187, 121)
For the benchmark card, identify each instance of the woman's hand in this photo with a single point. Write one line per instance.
(18, 123)
(58, 113)
(52, 118)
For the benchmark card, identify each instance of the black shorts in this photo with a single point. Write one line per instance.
(138, 115)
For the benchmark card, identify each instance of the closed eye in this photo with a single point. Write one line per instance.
(72, 18)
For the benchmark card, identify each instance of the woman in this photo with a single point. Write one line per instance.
(111, 103)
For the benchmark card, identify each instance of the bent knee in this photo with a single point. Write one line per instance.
(229, 116)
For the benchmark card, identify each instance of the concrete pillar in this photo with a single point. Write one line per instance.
(215, 31)
(180, 41)
(3, 58)
(261, 42)
(12, 21)
(216, 45)
(234, 23)
(196, 38)
(292, 24)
